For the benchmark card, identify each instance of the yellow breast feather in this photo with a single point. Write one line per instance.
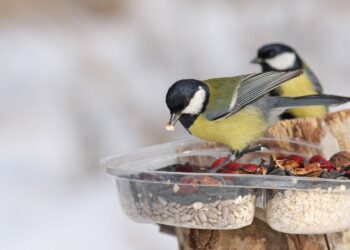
(300, 86)
(235, 131)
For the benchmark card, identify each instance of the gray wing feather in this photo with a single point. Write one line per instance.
(309, 100)
(255, 86)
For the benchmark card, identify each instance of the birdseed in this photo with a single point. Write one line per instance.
(234, 213)
(309, 212)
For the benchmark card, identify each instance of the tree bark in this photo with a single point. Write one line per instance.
(332, 133)
(254, 237)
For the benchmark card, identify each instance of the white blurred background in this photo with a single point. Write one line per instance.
(80, 80)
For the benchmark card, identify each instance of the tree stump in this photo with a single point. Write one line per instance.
(332, 133)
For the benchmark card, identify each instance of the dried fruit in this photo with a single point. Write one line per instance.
(296, 158)
(316, 158)
(340, 160)
(287, 164)
(315, 174)
(326, 165)
(308, 169)
(229, 171)
(232, 166)
(218, 162)
(261, 170)
(249, 168)
(293, 164)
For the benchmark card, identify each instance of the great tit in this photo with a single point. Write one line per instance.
(235, 111)
(280, 57)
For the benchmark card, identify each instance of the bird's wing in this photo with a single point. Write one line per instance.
(223, 92)
(230, 95)
(313, 78)
(308, 100)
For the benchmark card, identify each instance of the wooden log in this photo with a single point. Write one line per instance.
(256, 236)
(332, 133)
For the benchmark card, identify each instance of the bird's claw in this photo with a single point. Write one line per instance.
(230, 157)
(234, 155)
(249, 149)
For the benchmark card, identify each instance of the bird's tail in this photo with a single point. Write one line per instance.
(308, 100)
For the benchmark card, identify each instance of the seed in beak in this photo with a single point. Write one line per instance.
(173, 119)
(170, 127)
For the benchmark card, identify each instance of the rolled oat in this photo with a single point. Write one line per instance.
(309, 212)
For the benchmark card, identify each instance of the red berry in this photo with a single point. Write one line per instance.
(317, 158)
(218, 162)
(229, 168)
(327, 165)
(297, 158)
(323, 162)
(232, 166)
(250, 168)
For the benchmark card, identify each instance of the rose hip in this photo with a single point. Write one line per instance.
(317, 158)
(232, 166)
(250, 168)
(218, 162)
(326, 165)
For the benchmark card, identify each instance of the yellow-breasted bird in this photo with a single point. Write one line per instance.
(280, 57)
(235, 111)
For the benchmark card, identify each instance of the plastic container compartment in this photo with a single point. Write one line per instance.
(300, 205)
(309, 211)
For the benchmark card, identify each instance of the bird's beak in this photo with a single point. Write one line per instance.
(173, 119)
(256, 60)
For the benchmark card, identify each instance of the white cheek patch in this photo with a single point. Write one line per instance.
(282, 61)
(196, 103)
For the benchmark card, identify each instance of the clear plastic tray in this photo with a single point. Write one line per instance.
(300, 205)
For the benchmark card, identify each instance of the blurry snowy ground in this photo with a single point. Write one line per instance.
(81, 80)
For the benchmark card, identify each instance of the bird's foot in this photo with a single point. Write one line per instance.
(235, 154)
(231, 156)
(251, 149)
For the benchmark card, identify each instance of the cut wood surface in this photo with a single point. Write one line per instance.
(332, 133)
